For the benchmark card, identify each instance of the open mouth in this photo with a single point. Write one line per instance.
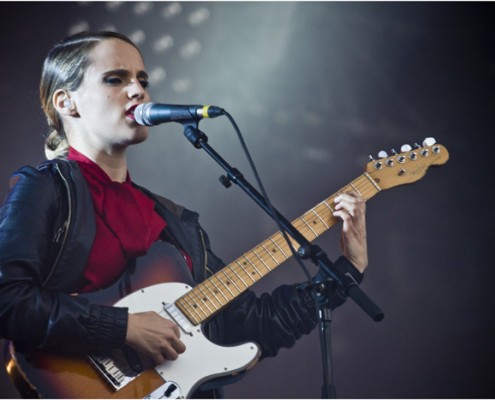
(130, 112)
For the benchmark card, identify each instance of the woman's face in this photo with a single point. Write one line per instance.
(114, 84)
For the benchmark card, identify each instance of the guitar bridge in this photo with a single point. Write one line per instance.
(119, 369)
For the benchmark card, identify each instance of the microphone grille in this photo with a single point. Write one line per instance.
(142, 114)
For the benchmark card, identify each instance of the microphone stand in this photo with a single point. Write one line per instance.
(327, 277)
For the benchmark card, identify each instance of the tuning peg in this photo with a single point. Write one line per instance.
(405, 147)
(417, 145)
(370, 158)
(382, 154)
(393, 152)
(429, 141)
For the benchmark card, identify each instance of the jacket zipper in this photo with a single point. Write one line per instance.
(64, 228)
(206, 270)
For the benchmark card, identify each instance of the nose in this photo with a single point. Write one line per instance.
(136, 90)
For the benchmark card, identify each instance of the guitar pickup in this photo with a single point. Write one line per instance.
(179, 318)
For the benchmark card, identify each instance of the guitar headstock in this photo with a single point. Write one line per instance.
(408, 166)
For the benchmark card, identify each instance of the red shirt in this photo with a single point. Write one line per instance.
(126, 224)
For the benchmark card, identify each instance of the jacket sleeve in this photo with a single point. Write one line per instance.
(275, 320)
(32, 314)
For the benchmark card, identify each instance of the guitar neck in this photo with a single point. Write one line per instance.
(210, 296)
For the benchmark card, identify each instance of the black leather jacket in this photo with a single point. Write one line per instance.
(46, 233)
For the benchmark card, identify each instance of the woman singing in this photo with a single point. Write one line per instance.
(76, 222)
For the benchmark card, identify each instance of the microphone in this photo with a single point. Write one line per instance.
(154, 114)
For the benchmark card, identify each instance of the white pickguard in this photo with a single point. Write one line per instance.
(202, 360)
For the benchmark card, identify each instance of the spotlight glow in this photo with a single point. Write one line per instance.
(182, 85)
(171, 10)
(138, 36)
(199, 16)
(157, 75)
(163, 44)
(142, 7)
(78, 27)
(113, 5)
(190, 49)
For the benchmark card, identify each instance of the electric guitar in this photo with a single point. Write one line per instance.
(154, 287)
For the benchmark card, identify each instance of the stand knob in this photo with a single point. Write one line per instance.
(225, 181)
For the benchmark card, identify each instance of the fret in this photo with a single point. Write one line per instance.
(276, 245)
(216, 291)
(372, 181)
(314, 223)
(261, 259)
(318, 215)
(193, 292)
(205, 298)
(309, 226)
(269, 253)
(246, 273)
(213, 293)
(325, 202)
(193, 306)
(230, 280)
(226, 286)
(236, 274)
(250, 262)
(261, 274)
(357, 191)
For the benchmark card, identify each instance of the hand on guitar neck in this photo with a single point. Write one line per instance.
(350, 208)
(154, 336)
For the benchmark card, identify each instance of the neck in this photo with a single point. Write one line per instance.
(113, 161)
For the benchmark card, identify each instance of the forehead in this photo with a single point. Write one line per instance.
(115, 54)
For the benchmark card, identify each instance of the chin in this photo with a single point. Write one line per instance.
(140, 135)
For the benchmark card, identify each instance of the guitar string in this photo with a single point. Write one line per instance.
(250, 269)
(356, 187)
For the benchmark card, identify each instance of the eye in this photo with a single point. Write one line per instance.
(113, 80)
(144, 83)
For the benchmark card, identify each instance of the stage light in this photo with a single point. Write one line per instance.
(157, 75)
(199, 16)
(171, 10)
(78, 27)
(113, 5)
(190, 49)
(138, 36)
(163, 43)
(142, 7)
(182, 85)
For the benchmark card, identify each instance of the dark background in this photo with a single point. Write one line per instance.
(315, 88)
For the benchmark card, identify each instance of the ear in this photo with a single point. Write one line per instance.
(63, 103)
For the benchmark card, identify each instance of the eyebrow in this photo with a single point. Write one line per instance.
(125, 72)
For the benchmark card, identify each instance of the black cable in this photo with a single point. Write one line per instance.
(265, 195)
